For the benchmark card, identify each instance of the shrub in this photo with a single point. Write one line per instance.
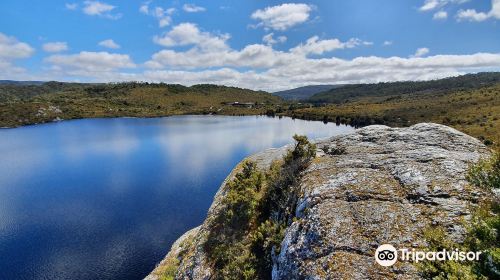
(483, 233)
(246, 234)
(486, 174)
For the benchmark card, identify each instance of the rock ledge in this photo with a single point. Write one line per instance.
(374, 186)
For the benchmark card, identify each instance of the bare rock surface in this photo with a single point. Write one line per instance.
(374, 186)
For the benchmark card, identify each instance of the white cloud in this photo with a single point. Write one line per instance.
(192, 8)
(473, 15)
(71, 6)
(90, 62)
(55, 47)
(421, 52)
(288, 70)
(273, 69)
(164, 16)
(144, 8)
(96, 8)
(388, 43)
(10, 50)
(189, 34)
(440, 15)
(110, 44)
(299, 71)
(253, 56)
(430, 5)
(315, 46)
(282, 17)
(269, 39)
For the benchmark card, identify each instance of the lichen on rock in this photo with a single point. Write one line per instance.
(374, 186)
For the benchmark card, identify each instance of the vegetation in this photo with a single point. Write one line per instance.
(303, 93)
(246, 234)
(28, 104)
(483, 233)
(469, 103)
(381, 91)
(474, 111)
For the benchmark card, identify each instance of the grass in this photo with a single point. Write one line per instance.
(475, 112)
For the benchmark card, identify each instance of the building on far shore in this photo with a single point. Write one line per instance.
(240, 104)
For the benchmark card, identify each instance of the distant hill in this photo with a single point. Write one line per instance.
(26, 104)
(382, 91)
(10, 82)
(303, 93)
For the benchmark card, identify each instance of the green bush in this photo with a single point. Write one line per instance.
(248, 230)
(486, 174)
(483, 233)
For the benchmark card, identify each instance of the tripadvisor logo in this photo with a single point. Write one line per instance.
(387, 255)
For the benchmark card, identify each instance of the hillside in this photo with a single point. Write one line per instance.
(28, 104)
(20, 82)
(303, 93)
(471, 106)
(381, 91)
(300, 215)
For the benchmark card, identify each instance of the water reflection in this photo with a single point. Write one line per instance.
(105, 198)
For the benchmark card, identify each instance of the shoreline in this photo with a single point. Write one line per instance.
(166, 116)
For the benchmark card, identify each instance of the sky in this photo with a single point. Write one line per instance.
(264, 45)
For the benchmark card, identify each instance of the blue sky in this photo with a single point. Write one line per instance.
(267, 45)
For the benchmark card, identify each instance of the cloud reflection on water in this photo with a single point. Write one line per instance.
(119, 191)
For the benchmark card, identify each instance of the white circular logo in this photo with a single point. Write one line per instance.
(386, 255)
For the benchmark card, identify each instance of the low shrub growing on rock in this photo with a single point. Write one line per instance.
(483, 232)
(246, 234)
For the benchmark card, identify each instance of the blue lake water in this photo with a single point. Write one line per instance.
(106, 198)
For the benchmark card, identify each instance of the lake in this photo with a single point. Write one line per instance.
(106, 198)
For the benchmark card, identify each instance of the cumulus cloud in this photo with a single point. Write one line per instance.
(283, 16)
(54, 47)
(315, 46)
(473, 15)
(164, 16)
(333, 70)
(192, 8)
(110, 44)
(96, 8)
(254, 56)
(421, 52)
(388, 43)
(189, 34)
(440, 15)
(269, 39)
(71, 6)
(273, 69)
(10, 50)
(90, 62)
(430, 5)
(294, 71)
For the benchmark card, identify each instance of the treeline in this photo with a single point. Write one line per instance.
(384, 91)
(11, 92)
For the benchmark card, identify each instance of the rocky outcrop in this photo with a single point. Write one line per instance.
(377, 185)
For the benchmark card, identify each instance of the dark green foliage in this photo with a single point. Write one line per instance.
(486, 174)
(484, 236)
(303, 93)
(247, 232)
(280, 199)
(392, 91)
